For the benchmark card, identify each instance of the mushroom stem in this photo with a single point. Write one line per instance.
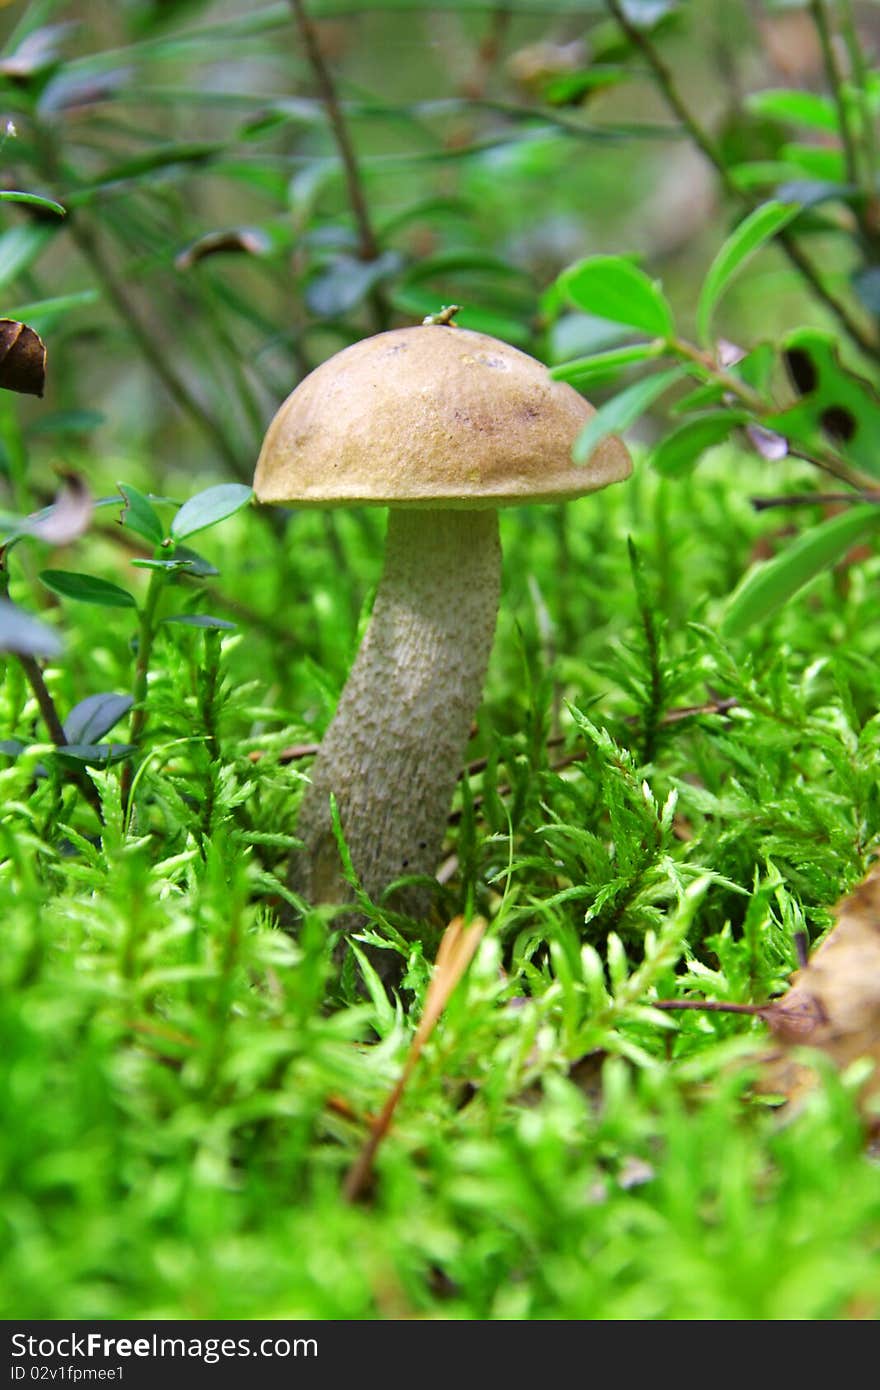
(393, 751)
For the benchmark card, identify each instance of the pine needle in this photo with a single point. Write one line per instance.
(456, 951)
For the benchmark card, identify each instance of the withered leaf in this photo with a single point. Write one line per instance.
(455, 953)
(22, 358)
(69, 515)
(834, 1002)
(249, 240)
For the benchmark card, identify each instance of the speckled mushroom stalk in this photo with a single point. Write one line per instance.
(442, 425)
(393, 751)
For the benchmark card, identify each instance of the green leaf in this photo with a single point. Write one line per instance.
(24, 635)
(809, 109)
(94, 754)
(835, 407)
(139, 515)
(11, 195)
(417, 301)
(710, 394)
(749, 237)
(613, 288)
(196, 564)
(87, 588)
(208, 507)
(620, 412)
(158, 159)
(385, 1016)
(202, 620)
(681, 450)
(66, 422)
(344, 283)
(95, 716)
(45, 312)
(169, 565)
(765, 589)
(184, 560)
(816, 161)
(584, 370)
(20, 247)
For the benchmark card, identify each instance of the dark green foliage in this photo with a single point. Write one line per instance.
(674, 777)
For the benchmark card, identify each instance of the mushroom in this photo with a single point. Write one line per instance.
(443, 426)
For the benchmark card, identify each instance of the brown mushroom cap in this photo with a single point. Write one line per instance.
(434, 416)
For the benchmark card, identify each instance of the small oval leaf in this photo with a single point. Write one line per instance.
(584, 370)
(613, 288)
(94, 754)
(95, 716)
(679, 451)
(87, 588)
(620, 412)
(33, 200)
(762, 224)
(139, 515)
(24, 635)
(208, 507)
(202, 620)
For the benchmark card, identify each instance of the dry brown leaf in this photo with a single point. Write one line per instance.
(249, 240)
(22, 358)
(69, 515)
(834, 1002)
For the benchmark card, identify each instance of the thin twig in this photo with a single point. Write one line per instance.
(867, 344)
(488, 53)
(56, 729)
(741, 391)
(860, 73)
(146, 636)
(814, 499)
(369, 247)
(712, 1006)
(294, 752)
(157, 357)
(835, 81)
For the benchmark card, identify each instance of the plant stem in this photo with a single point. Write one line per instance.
(154, 352)
(369, 247)
(44, 700)
(834, 75)
(717, 1006)
(829, 463)
(146, 636)
(814, 499)
(56, 729)
(653, 708)
(865, 342)
(860, 73)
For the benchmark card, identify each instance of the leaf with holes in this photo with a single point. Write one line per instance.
(139, 515)
(836, 408)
